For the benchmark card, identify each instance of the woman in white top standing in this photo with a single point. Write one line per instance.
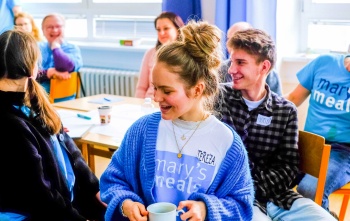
(167, 25)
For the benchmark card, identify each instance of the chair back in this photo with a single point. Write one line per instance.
(345, 190)
(314, 157)
(64, 88)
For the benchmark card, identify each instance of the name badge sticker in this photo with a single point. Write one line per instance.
(263, 120)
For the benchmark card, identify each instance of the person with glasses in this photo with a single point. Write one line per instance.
(25, 22)
(58, 54)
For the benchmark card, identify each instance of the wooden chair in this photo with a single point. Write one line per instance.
(314, 157)
(64, 88)
(345, 190)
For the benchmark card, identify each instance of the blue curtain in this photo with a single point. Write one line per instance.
(259, 13)
(186, 9)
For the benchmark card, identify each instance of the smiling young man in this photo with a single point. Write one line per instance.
(268, 126)
(57, 54)
(272, 79)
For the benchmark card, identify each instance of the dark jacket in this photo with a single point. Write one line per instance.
(31, 181)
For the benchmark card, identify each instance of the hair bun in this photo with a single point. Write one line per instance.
(202, 41)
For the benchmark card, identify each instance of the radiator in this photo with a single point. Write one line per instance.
(108, 81)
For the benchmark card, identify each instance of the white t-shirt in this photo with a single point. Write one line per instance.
(176, 178)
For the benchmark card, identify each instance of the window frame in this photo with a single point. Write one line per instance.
(88, 9)
(334, 12)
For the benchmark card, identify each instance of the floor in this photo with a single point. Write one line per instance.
(335, 200)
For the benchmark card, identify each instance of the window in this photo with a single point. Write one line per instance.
(325, 25)
(101, 20)
(50, 1)
(127, 1)
(124, 27)
(331, 1)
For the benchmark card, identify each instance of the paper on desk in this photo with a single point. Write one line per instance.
(77, 126)
(122, 117)
(105, 100)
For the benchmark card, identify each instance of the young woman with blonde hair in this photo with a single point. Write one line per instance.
(183, 154)
(26, 22)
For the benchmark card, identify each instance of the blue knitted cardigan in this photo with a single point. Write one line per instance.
(131, 175)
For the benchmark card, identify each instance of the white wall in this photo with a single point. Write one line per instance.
(287, 38)
(129, 58)
(288, 26)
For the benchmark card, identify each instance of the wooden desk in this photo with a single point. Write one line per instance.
(83, 104)
(92, 144)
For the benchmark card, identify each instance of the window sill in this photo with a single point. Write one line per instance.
(112, 46)
(302, 57)
(290, 65)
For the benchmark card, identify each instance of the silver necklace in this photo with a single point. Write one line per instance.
(179, 155)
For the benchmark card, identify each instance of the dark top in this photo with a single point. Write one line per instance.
(31, 181)
(270, 134)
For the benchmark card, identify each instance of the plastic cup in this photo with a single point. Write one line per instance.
(105, 114)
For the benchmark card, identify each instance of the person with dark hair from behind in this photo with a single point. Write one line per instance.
(26, 22)
(150, 164)
(167, 25)
(268, 126)
(59, 56)
(43, 174)
(273, 79)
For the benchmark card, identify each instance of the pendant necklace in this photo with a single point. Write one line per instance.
(179, 155)
(184, 137)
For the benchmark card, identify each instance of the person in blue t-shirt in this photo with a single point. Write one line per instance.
(8, 10)
(183, 154)
(326, 79)
(57, 54)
